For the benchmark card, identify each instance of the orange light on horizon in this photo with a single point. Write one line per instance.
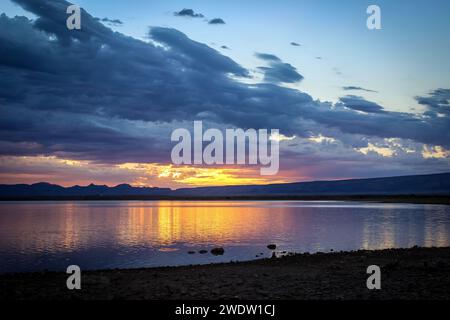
(68, 172)
(196, 176)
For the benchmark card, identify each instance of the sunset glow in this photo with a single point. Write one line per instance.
(337, 111)
(138, 174)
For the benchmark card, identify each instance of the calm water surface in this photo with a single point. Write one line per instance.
(129, 234)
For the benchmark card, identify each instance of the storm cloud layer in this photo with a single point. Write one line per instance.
(98, 95)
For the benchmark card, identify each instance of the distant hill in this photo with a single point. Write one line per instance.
(433, 184)
(44, 189)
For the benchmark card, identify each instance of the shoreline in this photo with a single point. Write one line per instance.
(413, 199)
(415, 273)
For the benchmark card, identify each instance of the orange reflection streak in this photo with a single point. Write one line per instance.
(381, 237)
(164, 225)
(198, 223)
(36, 219)
(71, 237)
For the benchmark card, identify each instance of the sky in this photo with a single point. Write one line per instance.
(99, 104)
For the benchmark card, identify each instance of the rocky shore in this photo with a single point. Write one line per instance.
(416, 273)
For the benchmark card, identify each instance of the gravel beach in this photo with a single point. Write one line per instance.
(416, 273)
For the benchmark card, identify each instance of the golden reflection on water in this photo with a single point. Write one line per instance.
(436, 233)
(384, 236)
(385, 231)
(69, 226)
(170, 223)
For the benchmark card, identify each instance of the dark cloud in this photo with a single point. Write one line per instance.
(267, 57)
(111, 22)
(355, 88)
(359, 104)
(95, 94)
(281, 72)
(192, 14)
(295, 44)
(188, 13)
(278, 71)
(216, 21)
(197, 53)
(438, 102)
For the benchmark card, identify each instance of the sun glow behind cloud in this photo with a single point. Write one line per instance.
(162, 174)
(320, 139)
(436, 152)
(382, 151)
(69, 172)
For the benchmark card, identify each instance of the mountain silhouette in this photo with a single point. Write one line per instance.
(433, 184)
(52, 190)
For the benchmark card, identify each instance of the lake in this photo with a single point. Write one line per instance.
(51, 235)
